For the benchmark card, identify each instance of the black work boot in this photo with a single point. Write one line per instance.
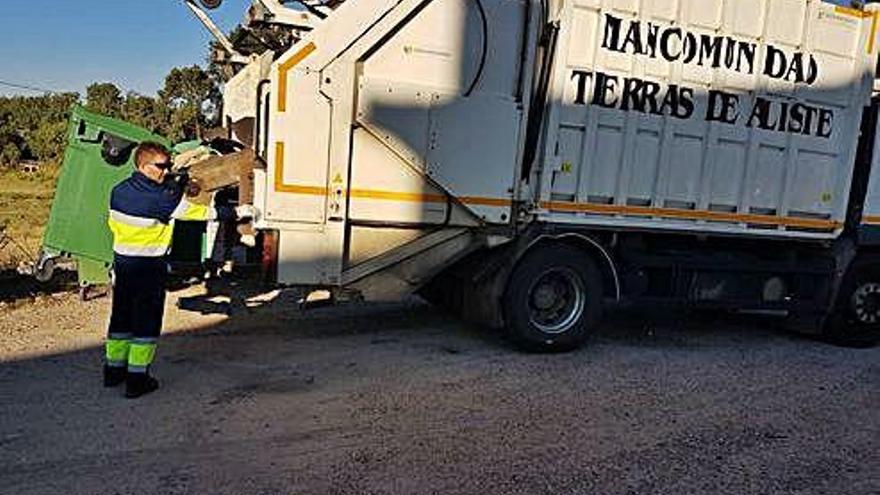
(138, 384)
(114, 375)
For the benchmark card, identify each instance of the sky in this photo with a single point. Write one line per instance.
(65, 45)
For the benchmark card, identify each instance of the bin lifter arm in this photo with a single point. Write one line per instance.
(200, 14)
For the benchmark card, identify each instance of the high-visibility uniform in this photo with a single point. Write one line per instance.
(142, 215)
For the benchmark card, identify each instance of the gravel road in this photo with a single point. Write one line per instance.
(401, 399)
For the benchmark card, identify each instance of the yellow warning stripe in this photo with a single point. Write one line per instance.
(873, 37)
(286, 67)
(376, 194)
(715, 216)
(475, 200)
(871, 219)
(309, 190)
(280, 186)
(426, 197)
(861, 14)
(397, 196)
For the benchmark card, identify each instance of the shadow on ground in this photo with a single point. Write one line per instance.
(18, 288)
(403, 399)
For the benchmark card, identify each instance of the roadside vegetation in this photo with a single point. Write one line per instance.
(33, 135)
(25, 200)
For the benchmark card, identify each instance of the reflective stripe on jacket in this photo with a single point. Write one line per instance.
(142, 214)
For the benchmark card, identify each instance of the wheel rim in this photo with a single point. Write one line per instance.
(556, 300)
(866, 303)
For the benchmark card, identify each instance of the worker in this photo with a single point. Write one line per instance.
(143, 209)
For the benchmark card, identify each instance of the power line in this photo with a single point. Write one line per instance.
(26, 87)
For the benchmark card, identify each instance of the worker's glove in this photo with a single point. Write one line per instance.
(192, 189)
(246, 212)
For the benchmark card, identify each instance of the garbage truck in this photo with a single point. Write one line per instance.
(529, 164)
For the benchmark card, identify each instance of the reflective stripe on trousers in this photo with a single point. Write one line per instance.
(141, 353)
(116, 349)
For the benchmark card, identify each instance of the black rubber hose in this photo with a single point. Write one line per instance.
(258, 121)
(539, 103)
(210, 4)
(317, 13)
(479, 74)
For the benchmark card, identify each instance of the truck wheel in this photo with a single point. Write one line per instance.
(858, 309)
(553, 299)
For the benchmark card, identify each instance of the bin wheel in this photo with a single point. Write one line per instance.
(553, 300)
(45, 270)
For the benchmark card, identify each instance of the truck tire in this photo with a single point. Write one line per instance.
(857, 318)
(553, 299)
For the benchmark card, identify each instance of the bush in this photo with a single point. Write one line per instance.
(9, 155)
(48, 142)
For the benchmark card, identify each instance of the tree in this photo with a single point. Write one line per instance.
(48, 142)
(194, 98)
(144, 111)
(56, 107)
(255, 39)
(9, 153)
(24, 114)
(104, 98)
(184, 123)
(34, 126)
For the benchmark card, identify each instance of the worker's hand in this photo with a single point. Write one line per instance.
(193, 188)
(246, 212)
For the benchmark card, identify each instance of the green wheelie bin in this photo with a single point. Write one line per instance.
(98, 156)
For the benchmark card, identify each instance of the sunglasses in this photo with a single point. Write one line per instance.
(166, 165)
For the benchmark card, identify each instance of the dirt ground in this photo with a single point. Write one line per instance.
(401, 399)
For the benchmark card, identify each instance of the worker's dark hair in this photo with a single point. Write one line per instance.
(149, 149)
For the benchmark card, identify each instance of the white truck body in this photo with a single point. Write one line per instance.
(369, 121)
(753, 129)
(401, 136)
(369, 126)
